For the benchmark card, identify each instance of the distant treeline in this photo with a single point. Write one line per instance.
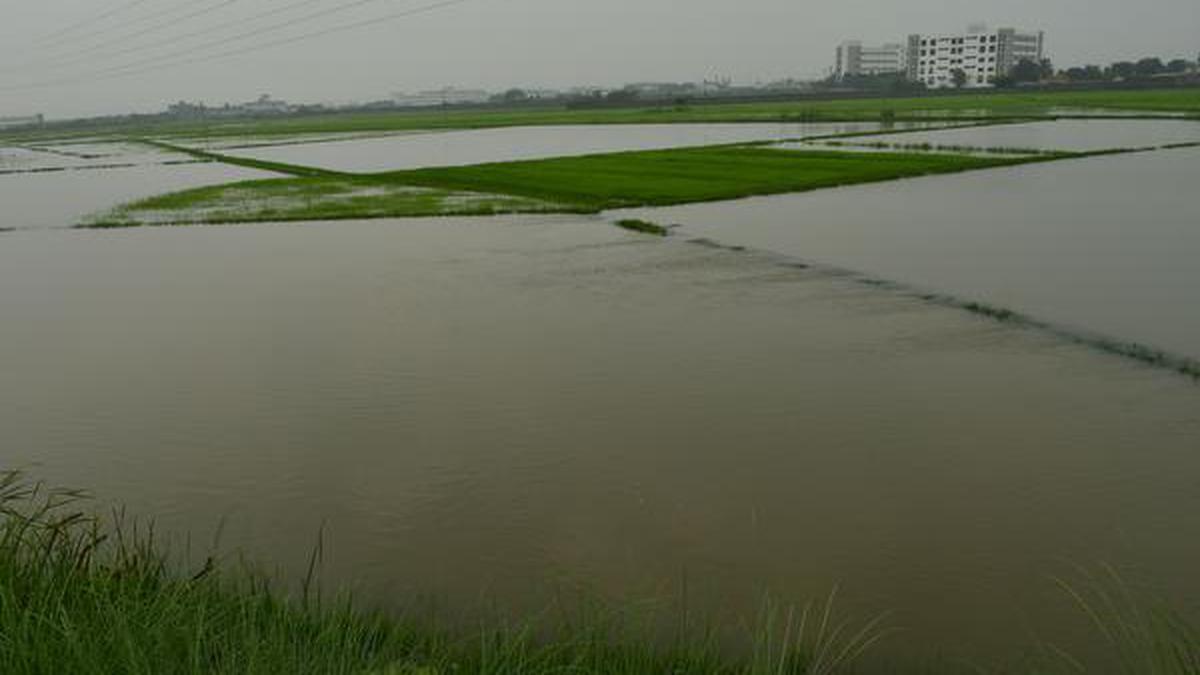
(1151, 69)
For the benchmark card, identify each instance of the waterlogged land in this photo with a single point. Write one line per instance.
(501, 408)
(578, 184)
(504, 408)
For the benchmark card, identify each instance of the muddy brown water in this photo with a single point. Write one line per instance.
(1104, 246)
(488, 411)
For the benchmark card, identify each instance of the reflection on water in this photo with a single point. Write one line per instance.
(1074, 135)
(1106, 245)
(481, 146)
(498, 406)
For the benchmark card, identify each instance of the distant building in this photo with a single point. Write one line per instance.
(855, 59)
(981, 56)
(440, 97)
(265, 105)
(662, 90)
(543, 94)
(14, 122)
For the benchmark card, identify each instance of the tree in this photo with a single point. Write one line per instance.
(1122, 70)
(1149, 67)
(1045, 69)
(1178, 66)
(960, 77)
(515, 96)
(1026, 71)
(1085, 74)
(626, 95)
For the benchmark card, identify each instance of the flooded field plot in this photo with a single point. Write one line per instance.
(67, 198)
(500, 408)
(1106, 244)
(88, 154)
(456, 148)
(1071, 135)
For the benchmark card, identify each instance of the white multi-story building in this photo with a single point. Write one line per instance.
(855, 59)
(972, 59)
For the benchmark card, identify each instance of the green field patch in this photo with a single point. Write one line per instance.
(586, 184)
(321, 198)
(680, 176)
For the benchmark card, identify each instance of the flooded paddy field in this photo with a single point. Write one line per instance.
(1076, 135)
(42, 189)
(486, 412)
(492, 410)
(458, 148)
(1102, 245)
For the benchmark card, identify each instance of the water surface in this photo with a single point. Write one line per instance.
(1073, 135)
(1104, 245)
(67, 198)
(456, 148)
(496, 408)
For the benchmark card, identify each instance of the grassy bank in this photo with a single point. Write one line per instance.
(972, 105)
(572, 184)
(78, 595)
(81, 595)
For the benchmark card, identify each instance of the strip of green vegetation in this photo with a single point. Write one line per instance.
(643, 226)
(933, 147)
(574, 184)
(969, 106)
(276, 167)
(667, 177)
(308, 199)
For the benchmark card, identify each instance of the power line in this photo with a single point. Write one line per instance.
(354, 4)
(174, 39)
(94, 19)
(103, 32)
(83, 54)
(125, 71)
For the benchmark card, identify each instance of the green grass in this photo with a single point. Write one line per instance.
(81, 596)
(667, 177)
(84, 595)
(335, 197)
(643, 226)
(973, 105)
(263, 165)
(573, 184)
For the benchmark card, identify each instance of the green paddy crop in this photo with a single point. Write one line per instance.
(586, 184)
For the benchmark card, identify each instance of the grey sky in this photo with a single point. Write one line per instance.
(499, 43)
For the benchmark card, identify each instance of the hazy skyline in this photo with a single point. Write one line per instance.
(495, 44)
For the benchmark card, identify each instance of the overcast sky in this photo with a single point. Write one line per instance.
(130, 61)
